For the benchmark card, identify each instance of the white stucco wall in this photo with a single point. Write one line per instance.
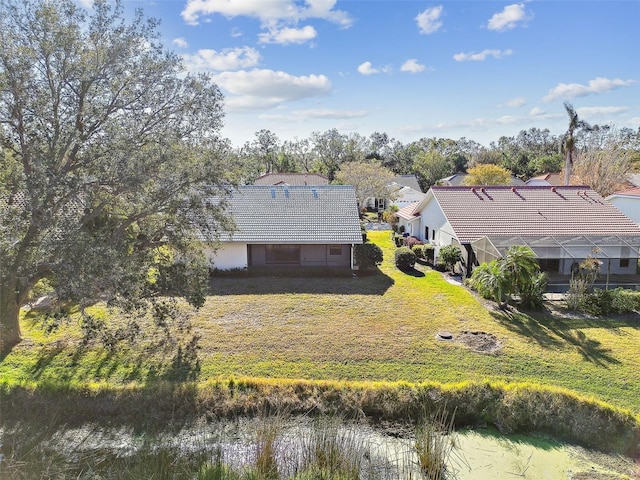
(431, 216)
(407, 196)
(228, 257)
(630, 206)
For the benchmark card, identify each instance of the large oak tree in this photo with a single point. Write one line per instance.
(107, 149)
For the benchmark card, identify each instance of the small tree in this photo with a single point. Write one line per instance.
(368, 255)
(450, 255)
(488, 174)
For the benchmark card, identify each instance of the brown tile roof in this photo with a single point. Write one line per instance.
(530, 211)
(631, 192)
(408, 212)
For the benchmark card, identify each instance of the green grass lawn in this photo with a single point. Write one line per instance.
(379, 327)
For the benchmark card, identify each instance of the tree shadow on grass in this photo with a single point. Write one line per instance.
(371, 282)
(555, 333)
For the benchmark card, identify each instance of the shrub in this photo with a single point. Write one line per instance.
(368, 255)
(412, 241)
(450, 255)
(418, 251)
(604, 302)
(405, 258)
(398, 240)
(429, 252)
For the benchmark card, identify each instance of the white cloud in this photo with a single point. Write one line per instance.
(481, 56)
(268, 12)
(366, 68)
(261, 89)
(536, 112)
(516, 102)
(597, 85)
(214, 61)
(180, 42)
(88, 4)
(508, 18)
(429, 20)
(600, 111)
(412, 66)
(288, 35)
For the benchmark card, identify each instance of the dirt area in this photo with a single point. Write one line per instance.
(481, 342)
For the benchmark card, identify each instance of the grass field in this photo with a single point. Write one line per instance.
(379, 327)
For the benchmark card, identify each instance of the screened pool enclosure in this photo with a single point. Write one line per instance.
(558, 254)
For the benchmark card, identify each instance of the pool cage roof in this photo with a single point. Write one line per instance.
(569, 246)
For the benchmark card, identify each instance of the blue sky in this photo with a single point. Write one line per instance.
(412, 69)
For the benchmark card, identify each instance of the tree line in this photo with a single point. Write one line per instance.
(530, 153)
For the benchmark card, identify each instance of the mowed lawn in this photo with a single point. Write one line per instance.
(380, 327)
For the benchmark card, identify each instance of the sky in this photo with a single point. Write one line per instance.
(412, 69)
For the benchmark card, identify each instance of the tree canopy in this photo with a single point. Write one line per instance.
(488, 174)
(108, 150)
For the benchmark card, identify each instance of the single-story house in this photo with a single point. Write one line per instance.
(546, 180)
(291, 179)
(405, 190)
(563, 225)
(284, 226)
(628, 202)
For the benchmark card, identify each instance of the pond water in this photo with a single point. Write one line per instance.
(474, 454)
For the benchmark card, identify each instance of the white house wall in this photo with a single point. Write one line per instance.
(229, 256)
(433, 218)
(630, 206)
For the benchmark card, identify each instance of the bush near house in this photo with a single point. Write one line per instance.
(405, 258)
(429, 252)
(450, 255)
(607, 302)
(368, 255)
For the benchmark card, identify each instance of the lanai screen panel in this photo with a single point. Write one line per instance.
(571, 247)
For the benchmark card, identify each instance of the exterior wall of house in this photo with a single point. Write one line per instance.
(412, 227)
(228, 257)
(432, 220)
(407, 196)
(630, 206)
(309, 256)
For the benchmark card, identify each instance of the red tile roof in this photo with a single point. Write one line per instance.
(475, 212)
(631, 192)
(408, 212)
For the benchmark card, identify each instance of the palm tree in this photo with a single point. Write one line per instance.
(569, 141)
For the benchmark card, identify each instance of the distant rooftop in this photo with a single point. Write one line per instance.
(292, 179)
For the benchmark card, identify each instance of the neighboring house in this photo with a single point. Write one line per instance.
(292, 179)
(546, 180)
(628, 202)
(282, 226)
(563, 225)
(459, 180)
(405, 190)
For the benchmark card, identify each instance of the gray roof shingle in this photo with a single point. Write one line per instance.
(294, 214)
(530, 211)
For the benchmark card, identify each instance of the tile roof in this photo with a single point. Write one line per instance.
(292, 179)
(408, 212)
(294, 214)
(458, 179)
(631, 192)
(407, 181)
(530, 211)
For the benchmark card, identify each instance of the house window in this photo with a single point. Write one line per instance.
(433, 235)
(624, 262)
(380, 204)
(335, 249)
(426, 233)
(283, 254)
(549, 264)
